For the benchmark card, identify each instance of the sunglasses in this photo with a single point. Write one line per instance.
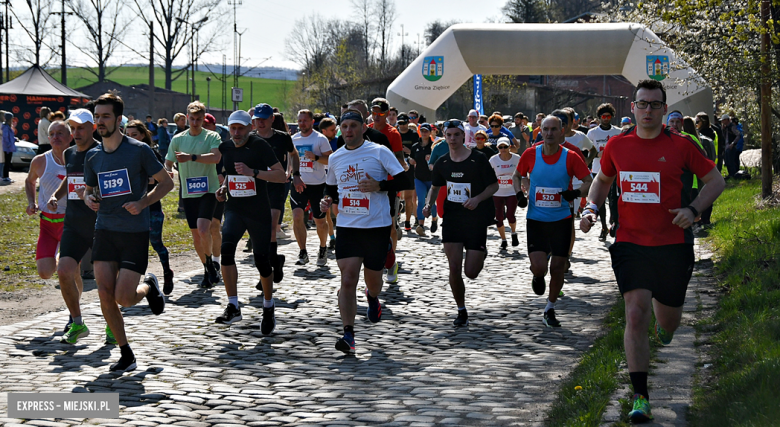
(377, 113)
(606, 116)
(655, 105)
(452, 124)
(495, 126)
(412, 117)
(503, 147)
(479, 138)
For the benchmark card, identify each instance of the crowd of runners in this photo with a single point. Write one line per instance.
(358, 179)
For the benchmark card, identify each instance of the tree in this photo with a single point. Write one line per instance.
(526, 11)
(434, 29)
(363, 13)
(101, 19)
(385, 16)
(306, 43)
(38, 30)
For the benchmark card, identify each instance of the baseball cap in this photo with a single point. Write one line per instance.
(263, 111)
(725, 117)
(403, 118)
(240, 117)
(625, 121)
(381, 104)
(8, 115)
(426, 126)
(473, 113)
(502, 141)
(210, 119)
(81, 116)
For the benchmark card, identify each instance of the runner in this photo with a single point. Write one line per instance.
(78, 227)
(485, 147)
(471, 127)
(329, 128)
(408, 138)
(313, 150)
(210, 123)
(421, 153)
(545, 171)
(470, 182)
(599, 135)
(249, 162)
(116, 173)
(283, 147)
(504, 164)
(197, 152)
(364, 221)
(497, 130)
(653, 253)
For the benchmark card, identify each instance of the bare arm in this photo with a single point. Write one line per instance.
(210, 158)
(37, 167)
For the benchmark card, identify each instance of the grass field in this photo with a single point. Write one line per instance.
(255, 90)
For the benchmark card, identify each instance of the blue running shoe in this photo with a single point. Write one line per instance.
(374, 310)
(346, 343)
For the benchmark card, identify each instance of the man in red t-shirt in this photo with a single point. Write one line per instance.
(653, 252)
(379, 109)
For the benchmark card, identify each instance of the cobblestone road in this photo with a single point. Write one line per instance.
(412, 368)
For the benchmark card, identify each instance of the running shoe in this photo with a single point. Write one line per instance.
(206, 282)
(124, 365)
(70, 322)
(398, 231)
(420, 230)
(374, 310)
(279, 269)
(268, 324)
(515, 240)
(346, 343)
(154, 297)
(549, 319)
(168, 282)
(462, 319)
(641, 412)
(504, 245)
(322, 256)
(303, 257)
(434, 226)
(561, 294)
(214, 276)
(88, 275)
(110, 338)
(332, 244)
(75, 333)
(662, 335)
(282, 235)
(392, 273)
(539, 285)
(390, 259)
(603, 235)
(248, 247)
(613, 231)
(407, 225)
(230, 315)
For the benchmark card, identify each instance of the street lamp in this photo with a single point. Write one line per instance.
(208, 94)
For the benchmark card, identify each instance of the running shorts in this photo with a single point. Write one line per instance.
(663, 270)
(219, 210)
(311, 194)
(277, 195)
(473, 237)
(371, 244)
(76, 241)
(199, 207)
(549, 237)
(508, 202)
(49, 235)
(257, 224)
(129, 250)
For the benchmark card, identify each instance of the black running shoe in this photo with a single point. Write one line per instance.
(603, 235)
(332, 244)
(303, 257)
(322, 256)
(155, 296)
(67, 325)
(549, 319)
(88, 275)
(515, 240)
(279, 269)
(374, 310)
(124, 365)
(168, 282)
(346, 343)
(230, 315)
(248, 247)
(434, 226)
(504, 245)
(214, 276)
(539, 285)
(206, 282)
(408, 225)
(462, 319)
(268, 324)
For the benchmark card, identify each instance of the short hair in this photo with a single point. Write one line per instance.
(148, 116)
(196, 107)
(496, 118)
(60, 123)
(605, 108)
(481, 132)
(307, 112)
(519, 115)
(393, 109)
(57, 115)
(161, 120)
(701, 115)
(497, 112)
(137, 124)
(414, 112)
(650, 84)
(112, 99)
(319, 116)
(560, 112)
(327, 122)
(570, 111)
(178, 116)
(345, 106)
(542, 115)
(45, 111)
(482, 116)
(553, 116)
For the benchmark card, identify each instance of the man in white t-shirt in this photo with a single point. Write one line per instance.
(600, 135)
(505, 163)
(364, 218)
(471, 127)
(313, 150)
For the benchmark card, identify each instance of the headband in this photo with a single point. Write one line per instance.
(351, 115)
(674, 115)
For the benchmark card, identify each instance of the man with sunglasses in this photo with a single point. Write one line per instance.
(471, 127)
(470, 182)
(653, 251)
(600, 135)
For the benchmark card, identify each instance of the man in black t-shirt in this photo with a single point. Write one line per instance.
(249, 162)
(470, 182)
(408, 138)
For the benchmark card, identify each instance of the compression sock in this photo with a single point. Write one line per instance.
(77, 320)
(233, 300)
(268, 303)
(349, 329)
(549, 306)
(639, 382)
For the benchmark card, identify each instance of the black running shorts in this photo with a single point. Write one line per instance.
(76, 241)
(473, 236)
(257, 224)
(371, 244)
(311, 194)
(663, 270)
(277, 195)
(219, 210)
(129, 250)
(199, 207)
(549, 237)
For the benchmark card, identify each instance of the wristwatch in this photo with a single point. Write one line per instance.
(296, 173)
(194, 157)
(256, 171)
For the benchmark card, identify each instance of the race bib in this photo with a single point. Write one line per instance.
(640, 187)
(241, 186)
(547, 197)
(114, 183)
(75, 183)
(458, 192)
(198, 185)
(307, 165)
(355, 203)
(504, 182)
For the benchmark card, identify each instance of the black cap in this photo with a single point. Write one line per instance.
(382, 105)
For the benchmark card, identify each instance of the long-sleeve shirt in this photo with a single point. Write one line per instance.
(8, 139)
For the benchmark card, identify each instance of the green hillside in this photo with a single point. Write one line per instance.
(262, 90)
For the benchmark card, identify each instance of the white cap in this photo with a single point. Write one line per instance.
(241, 117)
(81, 116)
(503, 141)
(473, 113)
(725, 117)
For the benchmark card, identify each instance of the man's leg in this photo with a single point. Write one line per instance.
(411, 204)
(71, 285)
(667, 317)
(46, 267)
(204, 233)
(299, 228)
(322, 231)
(637, 344)
(215, 229)
(454, 252)
(475, 260)
(557, 269)
(350, 274)
(106, 277)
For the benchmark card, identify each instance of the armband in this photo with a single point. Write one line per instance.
(695, 212)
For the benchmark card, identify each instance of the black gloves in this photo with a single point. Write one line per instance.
(570, 195)
(521, 200)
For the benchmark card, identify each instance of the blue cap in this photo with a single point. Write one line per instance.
(576, 116)
(426, 126)
(625, 121)
(263, 111)
(241, 117)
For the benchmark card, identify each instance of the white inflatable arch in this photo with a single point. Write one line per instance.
(630, 50)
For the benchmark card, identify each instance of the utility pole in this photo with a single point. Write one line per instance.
(2, 27)
(766, 98)
(64, 69)
(403, 48)
(8, 26)
(151, 70)
(235, 4)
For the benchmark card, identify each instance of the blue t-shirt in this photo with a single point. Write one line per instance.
(503, 132)
(121, 176)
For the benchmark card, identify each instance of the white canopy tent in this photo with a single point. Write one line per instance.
(627, 49)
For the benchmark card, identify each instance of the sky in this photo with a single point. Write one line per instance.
(268, 23)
